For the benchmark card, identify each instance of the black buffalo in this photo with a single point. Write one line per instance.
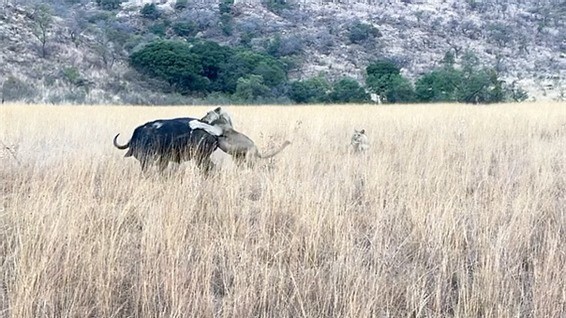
(164, 140)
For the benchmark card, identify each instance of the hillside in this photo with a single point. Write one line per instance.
(87, 43)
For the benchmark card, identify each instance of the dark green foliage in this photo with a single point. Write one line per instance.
(108, 4)
(185, 28)
(226, 23)
(246, 62)
(15, 89)
(212, 59)
(276, 6)
(71, 75)
(469, 84)
(360, 32)
(348, 90)
(439, 85)
(181, 4)
(250, 88)
(225, 6)
(314, 90)
(159, 29)
(172, 62)
(384, 78)
(43, 21)
(516, 93)
(209, 67)
(150, 11)
(273, 46)
(401, 90)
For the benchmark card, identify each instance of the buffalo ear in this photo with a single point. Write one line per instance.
(363, 131)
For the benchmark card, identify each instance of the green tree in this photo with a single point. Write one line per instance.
(360, 32)
(401, 90)
(43, 21)
(314, 90)
(172, 62)
(150, 11)
(384, 78)
(439, 85)
(212, 58)
(245, 62)
(250, 88)
(276, 6)
(348, 90)
(181, 4)
(109, 4)
(185, 28)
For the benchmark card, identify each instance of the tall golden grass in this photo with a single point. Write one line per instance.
(454, 211)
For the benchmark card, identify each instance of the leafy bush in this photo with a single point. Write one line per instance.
(276, 6)
(439, 85)
(385, 79)
(245, 62)
(250, 88)
(348, 90)
(15, 89)
(71, 75)
(314, 90)
(225, 6)
(210, 66)
(181, 4)
(226, 23)
(150, 11)
(159, 29)
(109, 4)
(184, 29)
(172, 62)
(469, 84)
(360, 32)
(289, 45)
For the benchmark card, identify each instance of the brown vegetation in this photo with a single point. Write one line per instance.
(454, 211)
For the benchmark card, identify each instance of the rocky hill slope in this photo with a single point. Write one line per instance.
(84, 58)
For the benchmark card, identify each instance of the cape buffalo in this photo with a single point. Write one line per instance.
(165, 140)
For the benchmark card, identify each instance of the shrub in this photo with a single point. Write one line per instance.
(385, 79)
(172, 62)
(181, 4)
(250, 88)
(314, 90)
(226, 24)
(150, 11)
(276, 6)
(159, 29)
(360, 32)
(184, 29)
(348, 90)
(246, 62)
(439, 85)
(109, 4)
(15, 89)
(225, 6)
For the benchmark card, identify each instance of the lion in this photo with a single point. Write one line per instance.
(218, 123)
(360, 141)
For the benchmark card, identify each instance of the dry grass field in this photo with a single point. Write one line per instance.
(455, 211)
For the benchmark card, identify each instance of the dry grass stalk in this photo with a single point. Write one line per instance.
(454, 211)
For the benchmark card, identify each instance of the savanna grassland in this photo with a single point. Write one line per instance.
(454, 211)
